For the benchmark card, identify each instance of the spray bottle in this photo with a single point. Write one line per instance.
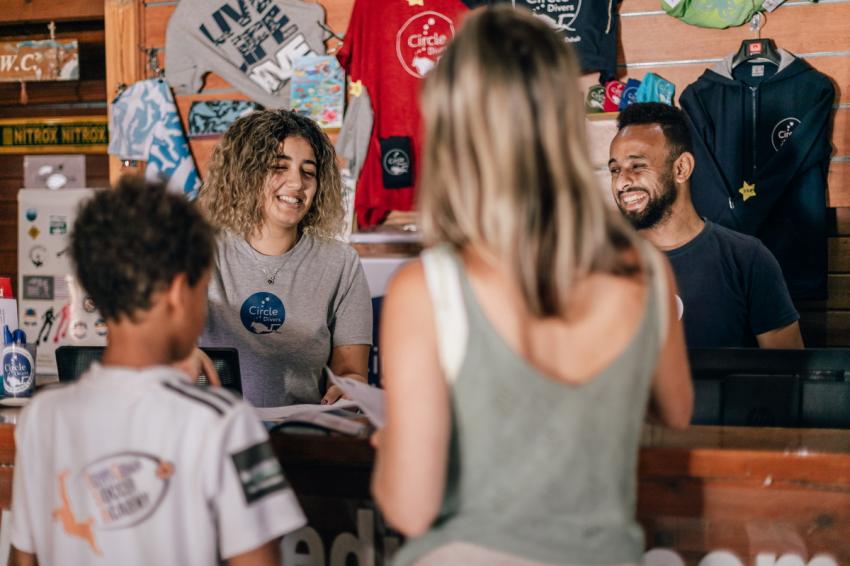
(17, 365)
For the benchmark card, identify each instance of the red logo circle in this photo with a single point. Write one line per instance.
(421, 41)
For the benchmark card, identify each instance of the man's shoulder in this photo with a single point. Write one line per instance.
(737, 244)
(737, 239)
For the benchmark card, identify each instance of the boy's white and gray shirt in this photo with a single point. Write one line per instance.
(143, 467)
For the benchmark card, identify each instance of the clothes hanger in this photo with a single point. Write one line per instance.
(761, 48)
(331, 35)
(329, 30)
(153, 62)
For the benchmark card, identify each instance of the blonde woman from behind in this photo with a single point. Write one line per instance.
(521, 352)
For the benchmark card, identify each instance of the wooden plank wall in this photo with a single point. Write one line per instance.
(653, 41)
(27, 19)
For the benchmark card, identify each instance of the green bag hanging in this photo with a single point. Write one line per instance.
(717, 14)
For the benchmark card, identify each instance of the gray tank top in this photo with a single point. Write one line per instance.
(538, 468)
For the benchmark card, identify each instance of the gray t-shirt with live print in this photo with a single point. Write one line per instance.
(252, 45)
(285, 331)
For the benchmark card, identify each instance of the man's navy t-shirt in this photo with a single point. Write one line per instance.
(731, 288)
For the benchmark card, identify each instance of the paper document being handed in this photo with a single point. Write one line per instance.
(369, 399)
(290, 411)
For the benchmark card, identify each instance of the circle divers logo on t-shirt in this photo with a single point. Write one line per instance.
(421, 41)
(17, 371)
(396, 162)
(782, 132)
(560, 14)
(262, 313)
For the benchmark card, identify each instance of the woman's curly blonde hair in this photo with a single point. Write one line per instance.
(233, 194)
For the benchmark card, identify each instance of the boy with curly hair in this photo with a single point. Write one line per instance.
(133, 463)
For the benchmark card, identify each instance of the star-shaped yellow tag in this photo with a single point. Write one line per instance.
(355, 88)
(415, 2)
(748, 191)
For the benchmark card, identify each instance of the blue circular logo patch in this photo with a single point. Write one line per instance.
(262, 313)
(31, 214)
(17, 372)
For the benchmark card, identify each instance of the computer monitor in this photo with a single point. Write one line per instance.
(72, 361)
(762, 387)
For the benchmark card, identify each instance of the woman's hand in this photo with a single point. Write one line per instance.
(347, 361)
(334, 393)
(400, 219)
(196, 364)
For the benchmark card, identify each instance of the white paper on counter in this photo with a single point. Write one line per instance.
(369, 399)
(289, 411)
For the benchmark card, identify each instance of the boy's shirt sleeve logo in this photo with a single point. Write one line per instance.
(259, 472)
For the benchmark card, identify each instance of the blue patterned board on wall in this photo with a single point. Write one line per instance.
(213, 117)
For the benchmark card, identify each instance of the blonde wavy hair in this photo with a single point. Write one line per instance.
(233, 194)
(505, 160)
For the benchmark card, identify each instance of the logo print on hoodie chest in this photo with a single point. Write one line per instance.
(782, 132)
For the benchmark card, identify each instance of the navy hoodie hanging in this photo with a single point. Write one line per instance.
(762, 148)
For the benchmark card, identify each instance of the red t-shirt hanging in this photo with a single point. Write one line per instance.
(390, 45)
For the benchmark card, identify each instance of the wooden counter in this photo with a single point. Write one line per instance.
(715, 496)
(760, 493)
(710, 496)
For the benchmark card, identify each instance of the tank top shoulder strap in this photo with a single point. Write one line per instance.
(653, 265)
(443, 277)
(442, 273)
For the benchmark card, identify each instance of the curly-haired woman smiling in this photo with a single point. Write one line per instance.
(284, 293)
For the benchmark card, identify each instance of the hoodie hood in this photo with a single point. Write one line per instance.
(786, 61)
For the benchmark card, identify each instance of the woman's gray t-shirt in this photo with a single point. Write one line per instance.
(285, 331)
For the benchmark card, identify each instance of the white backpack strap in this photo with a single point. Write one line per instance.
(658, 279)
(443, 277)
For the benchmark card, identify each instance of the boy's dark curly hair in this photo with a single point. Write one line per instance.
(130, 242)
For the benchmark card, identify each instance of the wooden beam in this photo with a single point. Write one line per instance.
(124, 58)
(19, 11)
(49, 93)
